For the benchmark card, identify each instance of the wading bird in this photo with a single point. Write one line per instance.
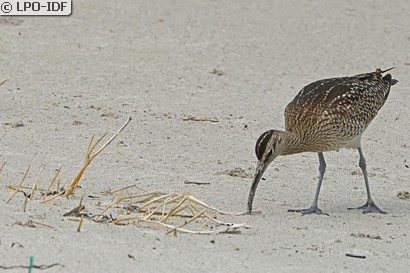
(326, 115)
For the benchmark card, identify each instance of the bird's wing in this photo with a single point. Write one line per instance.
(337, 103)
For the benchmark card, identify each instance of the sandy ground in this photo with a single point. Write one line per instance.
(69, 77)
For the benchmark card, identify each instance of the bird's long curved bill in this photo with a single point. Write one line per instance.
(260, 169)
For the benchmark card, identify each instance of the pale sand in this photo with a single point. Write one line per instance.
(152, 60)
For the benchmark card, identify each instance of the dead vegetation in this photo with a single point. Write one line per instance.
(365, 235)
(190, 118)
(405, 195)
(176, 212)
(235, 172)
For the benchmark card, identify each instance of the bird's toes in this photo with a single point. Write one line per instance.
(311, 210)
(250, 212)
(373, 208)
(370, 207)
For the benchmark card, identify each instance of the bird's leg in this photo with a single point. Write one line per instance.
(314, 209)
(370, 206)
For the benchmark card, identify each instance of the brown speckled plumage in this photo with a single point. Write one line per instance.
(329, 114)
(326, 115)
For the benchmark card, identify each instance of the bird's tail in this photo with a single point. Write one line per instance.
(388, 78)
(389, 81)
(393, 82)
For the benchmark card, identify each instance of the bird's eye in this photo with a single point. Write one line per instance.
(270, 153)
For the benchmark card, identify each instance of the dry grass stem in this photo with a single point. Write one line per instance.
(178, 212)
(80, 224)
(120, 198)
(200, 232)
(129, 218)
(174, 230)
(52, 197)
(211, 119)
(2, 166)
(156, 199)
(19, 186)
(52, 182)
(36, 182)
(109, 206)
(162, 213)
(171, 212)
(75, 211)
(25, 203)
(111, 192)
(44, 225)
(210, 219)
(215, 209)
(196, 182)
(90, 156)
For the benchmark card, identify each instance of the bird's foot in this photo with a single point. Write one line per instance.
(369, 207)
(311, 210)
(249, 212)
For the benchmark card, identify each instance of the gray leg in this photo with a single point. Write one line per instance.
(314, 208)
(370, 206)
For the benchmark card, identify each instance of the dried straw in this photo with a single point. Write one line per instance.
(167, 210)
(90, 155)
(18, 189)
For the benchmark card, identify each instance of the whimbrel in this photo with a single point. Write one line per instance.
(326, 115)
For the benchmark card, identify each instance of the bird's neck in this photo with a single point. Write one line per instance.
(292, 143)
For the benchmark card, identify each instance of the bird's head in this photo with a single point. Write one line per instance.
(268, 146)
